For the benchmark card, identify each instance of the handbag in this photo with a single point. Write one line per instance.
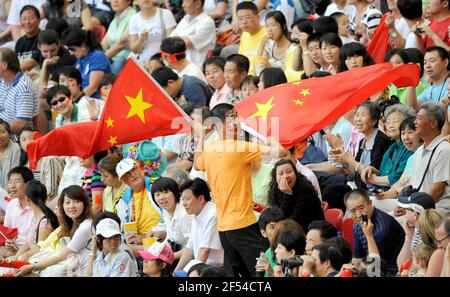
(227, 37)
(409, 190)
(313, 154)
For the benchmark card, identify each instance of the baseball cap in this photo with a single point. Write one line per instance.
(189, 265)
(124, 166)
(160, 251)
(418, 201)
(107, 228)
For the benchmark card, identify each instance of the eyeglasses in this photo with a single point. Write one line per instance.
(441, 240)
(59, 100)
(18, 181)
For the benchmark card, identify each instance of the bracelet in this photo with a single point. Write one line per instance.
(357, 166)
(92, 255)
(305, 53)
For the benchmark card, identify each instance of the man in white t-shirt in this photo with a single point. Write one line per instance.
(173, 53)
(204, 242)
(198, 31)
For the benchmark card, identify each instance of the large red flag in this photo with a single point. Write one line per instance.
(379, 45)
(291, 112)
(137, 109)
(70, 140)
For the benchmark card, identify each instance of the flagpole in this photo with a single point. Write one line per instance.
(253, 132)
(186, 117)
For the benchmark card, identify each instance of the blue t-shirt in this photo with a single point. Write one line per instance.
(94, 61)
(434, 93)
(195, 91)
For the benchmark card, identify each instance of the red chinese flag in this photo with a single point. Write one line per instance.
(291, 112)
(7, 233)
(71, 140)
(137, 108)
(379, 45)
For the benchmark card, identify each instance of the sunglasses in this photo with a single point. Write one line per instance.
(59, 100)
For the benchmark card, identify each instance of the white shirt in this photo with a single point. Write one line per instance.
(438, 170)
(193, 70)
(204, 234)
(309, 174)
(79, 245)
(137, 25)
(72, 174)
(3, 202)
(178, 227)
(402, 27)
(119, 264)
(349, 10)
(202, 32)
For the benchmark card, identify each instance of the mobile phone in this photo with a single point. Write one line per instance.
(365, 218)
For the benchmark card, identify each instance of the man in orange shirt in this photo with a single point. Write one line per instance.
(228, 163)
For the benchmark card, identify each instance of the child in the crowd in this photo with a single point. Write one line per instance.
(158, 260)
(154, 62)
(112, 260)
(106, 84)
(249, 85)
(421, 256)
(267, 222)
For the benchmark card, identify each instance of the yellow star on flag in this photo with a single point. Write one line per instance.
(138, 106)
(263, 109)
(299, 102)
(112, 140)
(109, 122)
(305, 92)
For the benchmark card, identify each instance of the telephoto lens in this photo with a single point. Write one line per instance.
(295, 40)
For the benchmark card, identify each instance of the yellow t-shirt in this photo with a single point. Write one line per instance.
(249, 47)
(228, 166)
(51, 242)
(289, 71)
(146, 215)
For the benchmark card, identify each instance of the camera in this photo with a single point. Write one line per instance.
(295, 41)
(292, 262)
(419, 31)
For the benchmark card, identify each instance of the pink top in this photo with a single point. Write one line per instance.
(219, 96)
(20, 218)
(355, 139)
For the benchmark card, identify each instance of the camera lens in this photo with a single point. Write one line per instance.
(296, 41)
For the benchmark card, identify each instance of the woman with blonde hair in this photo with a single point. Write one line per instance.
(429, 220)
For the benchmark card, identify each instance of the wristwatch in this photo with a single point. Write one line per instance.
(393, 34)
(305, 53)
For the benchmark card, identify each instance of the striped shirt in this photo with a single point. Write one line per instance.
(18, 100)
(92, 181)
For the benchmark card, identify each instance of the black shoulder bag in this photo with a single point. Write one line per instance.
(409, 190)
